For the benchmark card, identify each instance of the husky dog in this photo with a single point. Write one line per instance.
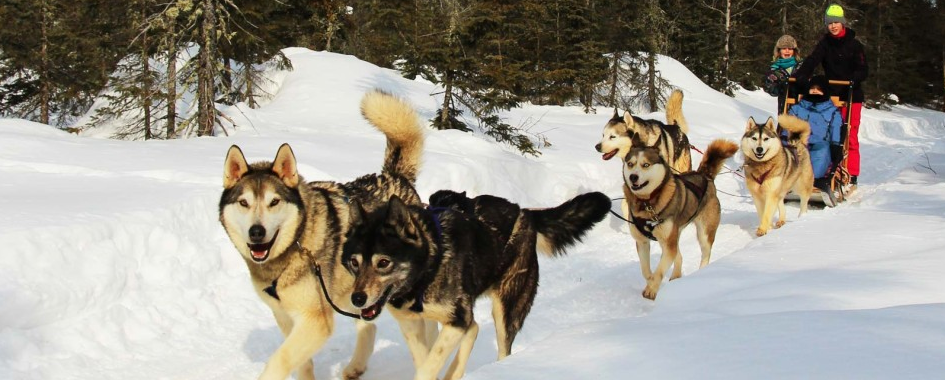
(433, 263)
(771, 170)
(284, 228)
(663, 203)
(670, 138)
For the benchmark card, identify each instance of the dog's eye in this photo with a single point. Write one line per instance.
(353, 262)
(383, 263)
(754, 139)
(274, 202)
(767, 138)
(645, 166)
(244, 203)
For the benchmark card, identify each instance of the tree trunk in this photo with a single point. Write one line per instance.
(447, 99)
(171, 85)
(614, 80)
(877, 79)
(652, 91)
(44, 87)
(726, 58)
(146, 93)
(249, 97)
(206, 113)
(331, 18)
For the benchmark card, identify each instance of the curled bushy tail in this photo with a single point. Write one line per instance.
(715, 156)
(399, 122)
(562, 226)
(674, 114)
(800, 129)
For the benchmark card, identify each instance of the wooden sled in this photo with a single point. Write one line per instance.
(840, 182)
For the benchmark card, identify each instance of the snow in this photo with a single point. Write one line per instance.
(116, 267)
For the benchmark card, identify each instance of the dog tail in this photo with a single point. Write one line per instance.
(674, 114)
(399, 122)
(563, 226)
(799, 129)
(715, 156)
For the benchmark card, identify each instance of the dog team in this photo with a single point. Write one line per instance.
(359, 248)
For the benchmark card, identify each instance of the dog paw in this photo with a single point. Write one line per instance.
(649, 293)
(778, 224)
(353, 373)
(760, 232)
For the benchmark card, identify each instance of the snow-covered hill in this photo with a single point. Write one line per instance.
(115, 266)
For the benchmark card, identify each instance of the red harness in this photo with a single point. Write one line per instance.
(763, 177)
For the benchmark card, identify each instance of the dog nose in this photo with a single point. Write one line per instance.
(257, 233)
(358, 299)
(634, 178)
(759, 150)
(597, 147)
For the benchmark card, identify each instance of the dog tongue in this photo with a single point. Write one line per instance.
(369, 313)
(259, 254)
(609, 155)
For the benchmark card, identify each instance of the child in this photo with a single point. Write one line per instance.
(783, 63)
(826, 149)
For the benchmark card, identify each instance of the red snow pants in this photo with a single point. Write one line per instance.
(853, 159)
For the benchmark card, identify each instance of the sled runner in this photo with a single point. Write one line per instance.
(840, 181)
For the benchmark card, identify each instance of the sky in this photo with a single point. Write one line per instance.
(116, 267)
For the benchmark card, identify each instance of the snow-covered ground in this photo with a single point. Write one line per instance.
(115, 267)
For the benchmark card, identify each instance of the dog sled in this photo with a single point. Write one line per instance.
(840, 180)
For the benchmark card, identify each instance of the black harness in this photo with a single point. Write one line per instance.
(646, 226)
(416, 294)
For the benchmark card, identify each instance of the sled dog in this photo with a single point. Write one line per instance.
(670, 138)
(284, 228)
(771, 170)
(433, 263)
(663, 203)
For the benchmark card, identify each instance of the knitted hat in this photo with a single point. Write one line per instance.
(786, 41)
(834, 13)
(820, 82)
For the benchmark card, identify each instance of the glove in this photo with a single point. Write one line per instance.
(836, 154)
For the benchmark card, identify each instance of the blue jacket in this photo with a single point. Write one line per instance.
(825, 122)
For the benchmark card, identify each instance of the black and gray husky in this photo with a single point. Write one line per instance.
(432, 263)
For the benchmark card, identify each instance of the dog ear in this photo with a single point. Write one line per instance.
(628, 119)
(751, 124)
(285, 166)
(616, 113)
(234, 167)
(356, 213)
(769, 124)
(398, 217)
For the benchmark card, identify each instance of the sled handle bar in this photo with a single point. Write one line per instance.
(831, 82)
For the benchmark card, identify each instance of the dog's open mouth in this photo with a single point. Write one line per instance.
(760, 155)
(609, 155)
(371, 313)
(260, 251)
(639, 186)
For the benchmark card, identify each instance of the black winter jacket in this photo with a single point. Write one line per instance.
(842, 59)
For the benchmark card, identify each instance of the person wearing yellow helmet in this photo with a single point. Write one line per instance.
(843, 58)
